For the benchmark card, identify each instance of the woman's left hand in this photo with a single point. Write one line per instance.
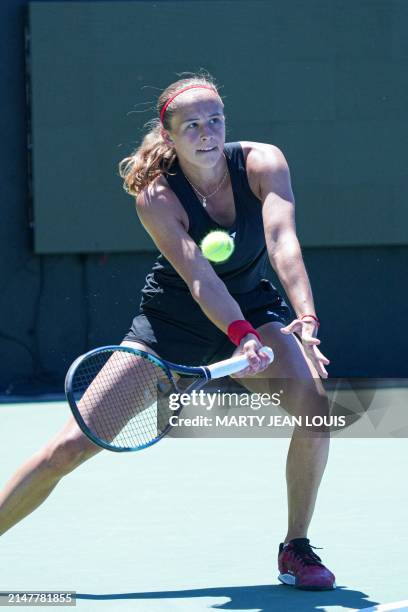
(307, 330)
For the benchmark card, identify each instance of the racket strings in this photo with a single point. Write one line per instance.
(121, 397)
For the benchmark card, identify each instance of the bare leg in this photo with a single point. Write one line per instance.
(306, 461)
(33, 482)
(36, 478)
(308, 450)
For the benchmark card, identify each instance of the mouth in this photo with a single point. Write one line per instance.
(206, 150)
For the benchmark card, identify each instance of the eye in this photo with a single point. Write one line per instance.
(191, 125)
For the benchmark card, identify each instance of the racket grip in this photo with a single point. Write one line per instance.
(234, 364)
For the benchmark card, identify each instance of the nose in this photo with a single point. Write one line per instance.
(204, 133)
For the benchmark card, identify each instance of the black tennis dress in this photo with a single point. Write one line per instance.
(170, 321)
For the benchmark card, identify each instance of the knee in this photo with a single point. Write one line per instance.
(65, 454)
(310, 398)
(311, 406)
(318, 402)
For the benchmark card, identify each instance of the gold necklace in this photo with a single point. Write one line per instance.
(205, 197)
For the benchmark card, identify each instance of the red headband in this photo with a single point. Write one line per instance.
(170, 100)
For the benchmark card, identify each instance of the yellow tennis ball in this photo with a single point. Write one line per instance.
(217, 246)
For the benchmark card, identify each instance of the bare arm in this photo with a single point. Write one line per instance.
(278, 210)
(280, 231)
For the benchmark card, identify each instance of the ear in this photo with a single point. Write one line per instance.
(166, 137)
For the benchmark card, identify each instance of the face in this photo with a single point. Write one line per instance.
(198, 128)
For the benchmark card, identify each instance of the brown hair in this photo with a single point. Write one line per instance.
(154, 156)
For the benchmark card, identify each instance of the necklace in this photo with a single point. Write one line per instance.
(210, 195)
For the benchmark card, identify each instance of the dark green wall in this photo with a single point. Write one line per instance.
(324, 80)
(52, 307)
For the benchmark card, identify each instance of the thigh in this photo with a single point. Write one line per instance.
(118, 392)
(139, 345)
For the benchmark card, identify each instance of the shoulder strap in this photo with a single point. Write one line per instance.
(235, 157)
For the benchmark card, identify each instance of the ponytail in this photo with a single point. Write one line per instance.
(152, 158)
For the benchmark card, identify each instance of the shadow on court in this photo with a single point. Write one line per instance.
(263, 597)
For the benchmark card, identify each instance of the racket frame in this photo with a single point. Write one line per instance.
(201, 372)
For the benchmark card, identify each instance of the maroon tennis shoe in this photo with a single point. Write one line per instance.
(300, 567)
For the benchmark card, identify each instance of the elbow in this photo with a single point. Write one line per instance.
(284, 252)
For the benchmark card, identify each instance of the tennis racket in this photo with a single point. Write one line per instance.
(119, 395)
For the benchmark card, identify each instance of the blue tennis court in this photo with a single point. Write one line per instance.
(194, 524)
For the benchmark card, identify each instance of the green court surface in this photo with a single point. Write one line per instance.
(194, 524)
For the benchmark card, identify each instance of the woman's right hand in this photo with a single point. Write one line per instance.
(258, 361)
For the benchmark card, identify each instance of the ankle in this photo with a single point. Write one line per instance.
(294, 535)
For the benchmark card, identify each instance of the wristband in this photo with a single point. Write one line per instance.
(312, 317)
(240, 328)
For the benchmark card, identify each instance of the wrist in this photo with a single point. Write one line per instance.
(312, 317)
(237, 330)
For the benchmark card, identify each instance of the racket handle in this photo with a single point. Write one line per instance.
(234, 364)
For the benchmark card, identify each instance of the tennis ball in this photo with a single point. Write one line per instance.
(217, 246)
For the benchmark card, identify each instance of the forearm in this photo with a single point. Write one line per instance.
(290, 268)
(217, 303)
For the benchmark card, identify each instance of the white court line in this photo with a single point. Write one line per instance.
(397, 605)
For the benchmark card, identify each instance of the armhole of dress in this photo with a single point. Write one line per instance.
(242, 171)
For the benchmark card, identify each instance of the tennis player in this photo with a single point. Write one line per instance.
(187, 181)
